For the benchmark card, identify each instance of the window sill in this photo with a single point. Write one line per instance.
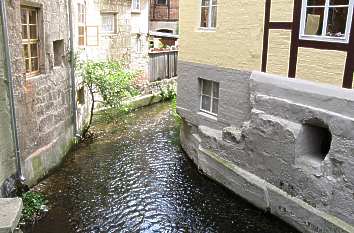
(201, 29)
(136, 11)
(324, 39)
(208, 115)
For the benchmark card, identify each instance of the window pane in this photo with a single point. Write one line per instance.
(32, 17)
(25, 51)
(215, 106)
(107, 23)
(213, 16)
(215, 2)
(216, 90)
(23, 16)
(24, 32)
(206, 87)
(339, 2)
(205, 2)
(34, 50)
(206, 101)
(27, 66)
(81, 31)
(35, 64)
(81, 40)
(316, 2)
(337, 18)
(33, 32)
(204, 17)
(314, 21)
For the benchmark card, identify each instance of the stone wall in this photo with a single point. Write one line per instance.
(7, 155)
(285, 145)
(43, 102)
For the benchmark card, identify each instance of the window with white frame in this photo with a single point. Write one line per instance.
(209, 96)
(81, 24)
(326, 20)
(208, 14)
(136, 5)
(108, 23)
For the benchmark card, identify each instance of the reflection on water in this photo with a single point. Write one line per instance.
(134, 179)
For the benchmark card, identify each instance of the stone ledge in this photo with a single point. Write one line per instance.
(10, 214)
(268, 197)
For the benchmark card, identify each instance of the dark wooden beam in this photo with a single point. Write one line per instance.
(323, 45)
(281, 25)
(349, 63)
(268, 4)
(294, 46)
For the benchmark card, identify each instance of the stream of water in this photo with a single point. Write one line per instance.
(134, 178)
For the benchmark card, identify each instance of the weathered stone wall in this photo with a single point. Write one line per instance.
(43, 102)
(7, 155)
(269, 143)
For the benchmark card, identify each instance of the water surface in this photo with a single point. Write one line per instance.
(134, 178)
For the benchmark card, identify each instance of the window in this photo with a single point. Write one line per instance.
(209, 96)
(82, 24)
(108, 23)
(136, 5)
(161, 2)
(58, 49)
(208, 14)
(326, 20)
(30, 41)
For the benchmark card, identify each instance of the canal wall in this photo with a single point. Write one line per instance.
(285, 145)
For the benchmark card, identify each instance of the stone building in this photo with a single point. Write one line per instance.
(164, 15)
(7, 152)
(284, 144)
(112, 29)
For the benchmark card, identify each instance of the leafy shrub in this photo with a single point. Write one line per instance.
(33, 206)
(110, 80)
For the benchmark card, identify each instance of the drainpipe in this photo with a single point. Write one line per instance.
(9, 82)
(72, 71)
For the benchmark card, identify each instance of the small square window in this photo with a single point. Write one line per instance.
(161, 2)
(135, 5)
(209, 96)
(108, 23)
(58, 49)
(326, 20)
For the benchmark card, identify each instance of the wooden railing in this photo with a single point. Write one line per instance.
(162, 65)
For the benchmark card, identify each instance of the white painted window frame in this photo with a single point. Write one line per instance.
(136, 10)
(210, 10)
(114, 22)
(211, 97)
(323, 37)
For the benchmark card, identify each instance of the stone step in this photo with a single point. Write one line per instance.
(10, 214)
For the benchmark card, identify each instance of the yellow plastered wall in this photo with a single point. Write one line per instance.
(279, 52)
(238, 40)
(321, 65)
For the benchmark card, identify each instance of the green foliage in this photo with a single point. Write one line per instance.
(168, 92)
(33, 206)
(178, 121)
(111, 80)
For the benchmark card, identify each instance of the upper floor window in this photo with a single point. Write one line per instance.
(161, 2)
(326, 20)
(209, 96)
(208, 14)
(108, 23)
(30, 40)
(82, 24)
(136, 5)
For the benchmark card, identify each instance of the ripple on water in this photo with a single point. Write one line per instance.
(133, 179)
